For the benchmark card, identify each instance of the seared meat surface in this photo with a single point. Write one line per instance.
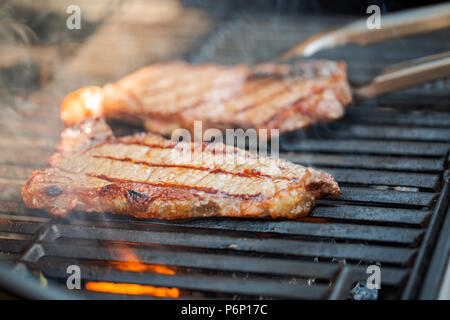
(148, 176)
(167, 96)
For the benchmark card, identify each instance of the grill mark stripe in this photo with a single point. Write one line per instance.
(208, 190)
(175, 81)
(201, 89)
(174, 78)
(190, 106)
(255, 89)
(234, 96)
(294, 104)
(316, 90)
(313, 92)
(262, 86)
(200, 84)
(150, 73)
(158, 73)
(245, 174)
(263, 100)
(179, 81)
(236, 152)
(202, 100)
(257, 196)
(135, 99)
(283, 108)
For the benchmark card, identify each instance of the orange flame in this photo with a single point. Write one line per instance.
(140, 267)
(132, 263)
(133, 289)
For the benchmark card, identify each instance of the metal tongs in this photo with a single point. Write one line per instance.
(402, 75)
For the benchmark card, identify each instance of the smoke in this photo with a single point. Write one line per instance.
(12, 30)
(17, 72)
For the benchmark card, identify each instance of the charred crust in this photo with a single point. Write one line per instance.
(136, 197)
(110, 191)
(53, 190)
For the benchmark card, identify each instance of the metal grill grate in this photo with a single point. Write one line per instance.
(388, 154)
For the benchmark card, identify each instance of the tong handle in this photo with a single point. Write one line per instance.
(402, 23)
(407, 74)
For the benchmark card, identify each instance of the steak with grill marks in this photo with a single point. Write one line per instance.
(148, 176)
(167, 96)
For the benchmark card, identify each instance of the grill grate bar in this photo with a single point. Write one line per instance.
(364, 214)
(17, 208)
(383, 177)
(12, 245)
(215, 262)
(392, 116)
(197, 260)
(253, 287)
(19, 227)
(366, 161)
(372, 196)
(329, 249)
(368, 146)
(9, 257)
(311, 229)
(393, 133)
(430, 238)
(373, 214)
(362, 120)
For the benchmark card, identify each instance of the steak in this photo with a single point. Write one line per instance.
(148, 176)
(167, 96)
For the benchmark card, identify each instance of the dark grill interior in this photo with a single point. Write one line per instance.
(389, 155)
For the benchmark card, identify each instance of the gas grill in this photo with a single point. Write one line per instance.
(389, 154)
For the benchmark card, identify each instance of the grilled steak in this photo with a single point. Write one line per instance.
(148, 176)
(173, 95)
